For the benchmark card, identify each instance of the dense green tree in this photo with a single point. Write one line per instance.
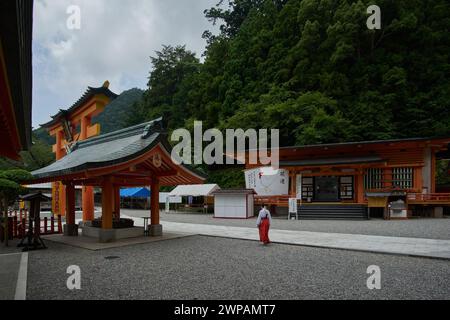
(10, 189)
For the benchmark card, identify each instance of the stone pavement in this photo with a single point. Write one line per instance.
(94, 245)
(418, 247)
(13, 276)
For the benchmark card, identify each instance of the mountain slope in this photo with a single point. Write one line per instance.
(118, 111)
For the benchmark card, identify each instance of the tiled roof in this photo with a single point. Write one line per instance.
(89, 93)
(109, 149)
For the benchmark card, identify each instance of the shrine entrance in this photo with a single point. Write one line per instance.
(326, 189)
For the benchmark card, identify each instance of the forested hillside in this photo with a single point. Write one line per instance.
(312, 69)
(118, 111)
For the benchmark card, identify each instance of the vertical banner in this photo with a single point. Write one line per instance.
(298, 179)
(55, 198)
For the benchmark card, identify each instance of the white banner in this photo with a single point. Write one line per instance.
(298, 180)
(267, 181)
(292, 205)
(164, 195)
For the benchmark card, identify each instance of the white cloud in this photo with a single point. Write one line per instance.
(115, 41)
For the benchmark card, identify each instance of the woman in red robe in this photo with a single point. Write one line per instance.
(264, 221)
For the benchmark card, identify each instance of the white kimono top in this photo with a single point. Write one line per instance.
(263, 213)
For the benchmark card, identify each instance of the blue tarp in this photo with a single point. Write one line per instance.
(134, 193)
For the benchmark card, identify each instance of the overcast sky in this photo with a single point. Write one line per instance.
(114, 43)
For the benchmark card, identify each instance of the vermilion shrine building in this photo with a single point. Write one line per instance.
(342, 180)
(132, 157)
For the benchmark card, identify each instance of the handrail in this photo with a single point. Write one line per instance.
(429, 197)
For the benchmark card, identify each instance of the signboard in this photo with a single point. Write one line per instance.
(267, 181)
(292, 205)
(163, 196)
(167, 208)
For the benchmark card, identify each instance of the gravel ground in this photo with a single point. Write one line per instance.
(416, 228)
(216, 268)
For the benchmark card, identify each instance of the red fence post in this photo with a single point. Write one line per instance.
(45, 225)
(24, 227)
(52, 224)
(59, 224)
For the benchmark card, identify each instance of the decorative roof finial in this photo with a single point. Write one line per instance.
(106, 84)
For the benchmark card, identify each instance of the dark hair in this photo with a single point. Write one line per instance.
(263, 205)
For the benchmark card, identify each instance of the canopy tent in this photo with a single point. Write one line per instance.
(135, 193)
(198, 196)
(198, 190)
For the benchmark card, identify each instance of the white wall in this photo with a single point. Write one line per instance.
(230, 206)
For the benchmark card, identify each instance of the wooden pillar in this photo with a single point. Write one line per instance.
(388, 179)
(359, 179)
(155, 227)
(107, 204)
(418, 182)
(70, 228)
(293, 186)
(88, 203)
(116, 202)
(85, 123)
(61, 197)
(433, 171)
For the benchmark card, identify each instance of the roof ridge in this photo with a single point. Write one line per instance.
(122, 133)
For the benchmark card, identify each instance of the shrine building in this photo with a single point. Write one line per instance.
(390, 179)
(133, 157)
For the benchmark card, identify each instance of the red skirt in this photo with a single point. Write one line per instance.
(264, 231)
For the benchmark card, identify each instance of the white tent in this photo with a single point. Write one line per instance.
(195, 190)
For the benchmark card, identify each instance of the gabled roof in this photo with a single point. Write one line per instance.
(33, 196)
(116, 149)
(88, 94)
(202, 190)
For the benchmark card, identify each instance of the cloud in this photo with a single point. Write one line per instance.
(114, 43)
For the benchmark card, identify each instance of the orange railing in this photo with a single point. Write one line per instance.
(429, 197)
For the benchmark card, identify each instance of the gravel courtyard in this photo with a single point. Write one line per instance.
(199, 267)
(416, 228)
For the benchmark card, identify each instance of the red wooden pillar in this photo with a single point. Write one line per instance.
(45, 225)
(116, 202)
(60, 229)
(107, 204)
(359, 187)
(70, 228)
(155, 227)
(88, 203)
(52, 224)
